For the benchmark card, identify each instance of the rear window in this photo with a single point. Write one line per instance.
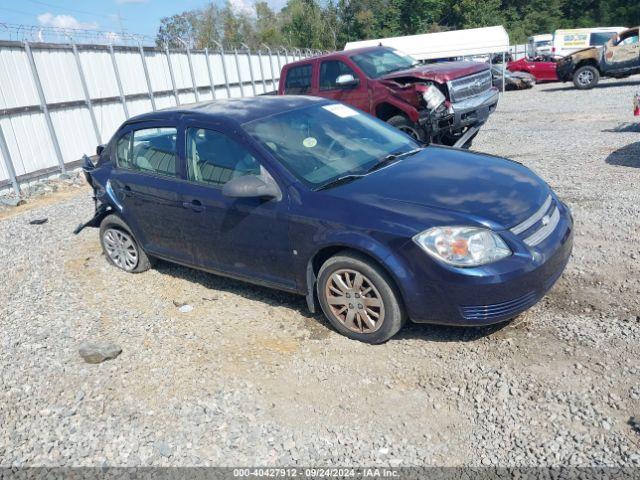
(298, 80)
(150, 150)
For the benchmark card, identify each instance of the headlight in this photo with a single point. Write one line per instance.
(433, 97)
(463, 246)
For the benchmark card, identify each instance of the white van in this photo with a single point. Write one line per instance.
(568, 41)
(540, 44)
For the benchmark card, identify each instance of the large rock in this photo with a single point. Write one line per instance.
(97, 352)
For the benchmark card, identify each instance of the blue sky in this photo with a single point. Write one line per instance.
(137, 16)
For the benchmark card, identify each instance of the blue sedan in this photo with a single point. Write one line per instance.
(316, 198)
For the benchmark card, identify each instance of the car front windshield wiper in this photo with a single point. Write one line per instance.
(340, 181)
(392, 158)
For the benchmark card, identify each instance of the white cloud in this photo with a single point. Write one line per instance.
(64, 21)
(242, 6)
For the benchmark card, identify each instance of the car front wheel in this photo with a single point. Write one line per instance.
(120, 247)
(586, 77)
(359, 299)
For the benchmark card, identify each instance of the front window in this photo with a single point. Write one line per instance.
(600, 38)
(321, 143)
(214, 158)
(383, 61)
(330, 70)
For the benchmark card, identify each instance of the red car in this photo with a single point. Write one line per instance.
(439, 103)
(543, 67)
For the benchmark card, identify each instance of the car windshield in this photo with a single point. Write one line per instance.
(322, 143)
(383, 61)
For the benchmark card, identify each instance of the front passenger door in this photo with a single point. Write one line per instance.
(245, 237)
(356, 95)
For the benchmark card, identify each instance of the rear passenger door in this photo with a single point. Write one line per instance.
(146, 181)
(356, 95)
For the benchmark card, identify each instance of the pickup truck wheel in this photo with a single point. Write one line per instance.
(120, 247)
(586, 77)
(359, 299)
(407, 126)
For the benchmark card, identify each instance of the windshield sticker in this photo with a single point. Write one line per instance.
(341, 111)
(309, 142)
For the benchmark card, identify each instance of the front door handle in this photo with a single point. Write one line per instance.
(195, 205)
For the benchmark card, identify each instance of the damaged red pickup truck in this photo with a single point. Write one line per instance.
(442, 103)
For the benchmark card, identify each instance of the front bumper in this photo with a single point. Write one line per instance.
(475, 110)
(460, 116)
(564, 70)
(492, 293)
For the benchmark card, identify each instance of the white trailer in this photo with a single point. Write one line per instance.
(472, 42)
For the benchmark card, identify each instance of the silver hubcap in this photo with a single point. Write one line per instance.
(121, 248)
(585, 77)
(354, 301)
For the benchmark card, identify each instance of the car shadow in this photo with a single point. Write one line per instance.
(624, 128)
(627, 156)
(611, 84)
(297, 303)
(446, 333)
(219, 283)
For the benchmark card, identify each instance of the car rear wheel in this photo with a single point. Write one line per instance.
(359, 299)
(407, 126)
(586, 77)
(120, 247)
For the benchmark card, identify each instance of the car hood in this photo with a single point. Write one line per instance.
(490, 190)
(438, 72)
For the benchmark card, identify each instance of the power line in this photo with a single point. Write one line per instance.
(20, 12)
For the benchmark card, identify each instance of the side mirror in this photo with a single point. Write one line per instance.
(346, 80)
(100, 149)
(251, 186)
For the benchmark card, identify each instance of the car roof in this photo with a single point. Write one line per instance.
(338, 54)
(238, 110)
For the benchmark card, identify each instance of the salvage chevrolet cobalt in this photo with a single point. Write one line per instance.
(316, 198)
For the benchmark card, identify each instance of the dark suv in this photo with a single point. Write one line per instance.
(442, 103)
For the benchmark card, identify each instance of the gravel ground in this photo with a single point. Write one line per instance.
(249, 377)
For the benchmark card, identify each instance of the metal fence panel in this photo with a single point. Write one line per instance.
(29, 142)
(131, 72)
(109, 116)
(59, 75)
(87, 91)
(16, 84)
(99, 73)
(75, 132)
(159, 73)
(200, 71)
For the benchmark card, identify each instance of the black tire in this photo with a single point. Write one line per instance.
(115, 223)
(586, 77)
(384, 289)
(407, 126)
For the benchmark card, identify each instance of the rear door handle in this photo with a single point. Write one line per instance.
(195, 205)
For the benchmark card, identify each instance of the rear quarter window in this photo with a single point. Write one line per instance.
(298, 80)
